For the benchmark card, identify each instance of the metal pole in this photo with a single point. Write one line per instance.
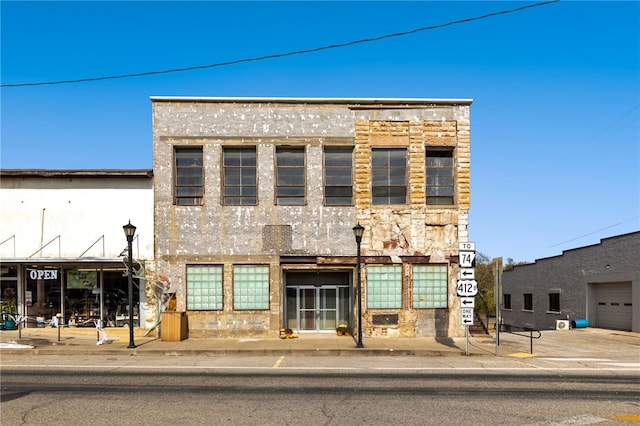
(531, 342)
(130, 274)
(466, 334)
(497, 276)
(359, 344)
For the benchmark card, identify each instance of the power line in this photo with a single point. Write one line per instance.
(282, 55)
(620, 119)
(595, 232)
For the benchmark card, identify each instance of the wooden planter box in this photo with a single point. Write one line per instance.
(174, 326)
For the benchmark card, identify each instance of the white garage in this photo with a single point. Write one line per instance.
(613, 305)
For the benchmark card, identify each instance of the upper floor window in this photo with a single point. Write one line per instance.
(239, 181)
(189, 189)
(440, 176)
(338, 176)
(389, 175)
(290, 176)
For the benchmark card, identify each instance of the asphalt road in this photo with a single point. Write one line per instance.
(318, 391)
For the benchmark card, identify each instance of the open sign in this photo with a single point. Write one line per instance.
(43, 274)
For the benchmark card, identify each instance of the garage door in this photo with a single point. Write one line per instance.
(613, 306)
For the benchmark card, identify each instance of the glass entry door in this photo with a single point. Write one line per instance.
(317, 308)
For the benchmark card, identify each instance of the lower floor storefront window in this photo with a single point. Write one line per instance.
(80, 296)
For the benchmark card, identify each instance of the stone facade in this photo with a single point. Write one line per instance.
(313, 237)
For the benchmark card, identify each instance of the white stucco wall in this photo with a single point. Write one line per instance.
(79, 216)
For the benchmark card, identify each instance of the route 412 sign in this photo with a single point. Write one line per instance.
(467, 288)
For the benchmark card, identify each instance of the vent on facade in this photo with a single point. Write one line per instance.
(277, 238)
(562, 324)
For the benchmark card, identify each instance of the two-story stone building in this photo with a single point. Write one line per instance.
(255, 201)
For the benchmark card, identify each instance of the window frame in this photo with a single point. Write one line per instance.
(506, 301)
(440, 287)
(554, 302)
(333, 200)
(385, 173)
(252, 171)
(197, 198)
(527, 304)
(440, 193)
(290, 200)
(218, 287)
(263, 299)
(392, 292)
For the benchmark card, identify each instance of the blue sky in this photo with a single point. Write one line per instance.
(556, 88)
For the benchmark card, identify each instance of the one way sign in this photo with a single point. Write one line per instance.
(466, 317)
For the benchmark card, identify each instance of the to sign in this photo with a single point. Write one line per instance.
(467, 246)
(467, 288)
(466, 316)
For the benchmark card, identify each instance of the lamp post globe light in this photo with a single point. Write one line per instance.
(129, 232)
(358, 230)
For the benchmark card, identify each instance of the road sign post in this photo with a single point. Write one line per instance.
(467, 286)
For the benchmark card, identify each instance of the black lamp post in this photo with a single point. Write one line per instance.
(358, 230)
(130, 231)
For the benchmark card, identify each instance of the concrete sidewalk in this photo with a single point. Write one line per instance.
(575, 343)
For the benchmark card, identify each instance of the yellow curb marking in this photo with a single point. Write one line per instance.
(277, 363)
(522, 355)
(626, 417)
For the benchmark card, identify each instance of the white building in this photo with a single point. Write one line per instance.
(62, 244)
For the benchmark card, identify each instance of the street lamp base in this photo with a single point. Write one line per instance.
(359, 345)
(131, 346)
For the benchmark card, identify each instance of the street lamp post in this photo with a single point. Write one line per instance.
(358, 230)
(129, 231)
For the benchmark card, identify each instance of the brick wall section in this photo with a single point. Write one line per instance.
(573, 274)
(463, 162)
(417, 178)
(362, 167)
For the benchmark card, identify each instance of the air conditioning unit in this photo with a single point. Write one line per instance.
(562, 324)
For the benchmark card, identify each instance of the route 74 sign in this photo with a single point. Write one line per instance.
(467, 288)
(467, 259)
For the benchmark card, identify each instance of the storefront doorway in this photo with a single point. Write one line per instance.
(317, 302)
